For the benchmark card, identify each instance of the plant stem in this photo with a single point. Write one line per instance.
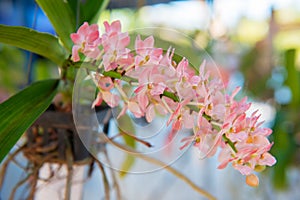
(171, 95)
(105, 180)
(229, 142)
(5, 164)
(19, 184)
(70, 162)
(115, 182)
(34, 180)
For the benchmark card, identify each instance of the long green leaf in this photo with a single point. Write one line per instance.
(21, 110)
(284, 148)
(62, 18)
(126, 165)
(43, 44)
(88, 10)
(126, 127)
(293, 80)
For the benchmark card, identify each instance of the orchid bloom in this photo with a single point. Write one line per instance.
(114, 44)
(86, 41)
(194, 100)
(146, 53)
(105, 84)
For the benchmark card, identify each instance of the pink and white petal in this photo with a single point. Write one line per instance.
(224, 157)
(234, 93)
(202, 68)
(76, 38)
(150, 113)
(138, 43)
(138, 60)
(157, 52)
(92, 53)
(93, 36)
(262, 141)
(111, 99)
(265, 131)
(94, 27)
(218, 112)
(209, 144)
(124, 40)
(143, 101)
(187, 141)
(115, 26)
(243, 169)
(267, 159)
(195, 80)
(181, 67)
(135, 109)
(174, 114)
(158, 89)
(238, 137)
(123, 111)
(188, 120)
(149, 42)
(140, 89)
(144, 76)
(105, 83)
(176, 125)
(98, 100)
(83, 29)
(172, 135)
(75, 56)
(161, 109)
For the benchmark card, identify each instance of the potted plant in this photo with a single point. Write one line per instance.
(141, 83)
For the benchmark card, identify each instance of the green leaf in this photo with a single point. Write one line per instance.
(284, 148)
(293, 80)
(126, 128)
(127, 164)
(62, 18)
(43, 44)
(21, 110)
(88, 10)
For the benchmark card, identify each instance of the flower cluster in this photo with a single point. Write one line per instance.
(194, 99)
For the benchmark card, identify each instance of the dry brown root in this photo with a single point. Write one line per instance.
(36, 162)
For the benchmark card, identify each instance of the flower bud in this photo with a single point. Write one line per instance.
(252, 180)
(259, 168)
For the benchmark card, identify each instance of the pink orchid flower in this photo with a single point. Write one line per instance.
(180, 118)
(105, 84)
(114, 44)
(86, 41)
(146, 53)
(196, 100)
(111, 99)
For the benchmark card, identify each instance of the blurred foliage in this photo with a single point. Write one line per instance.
(257, 70)
(246, 28)
(88, 10)
(13, 69)
(12, 74)
(287, 126)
